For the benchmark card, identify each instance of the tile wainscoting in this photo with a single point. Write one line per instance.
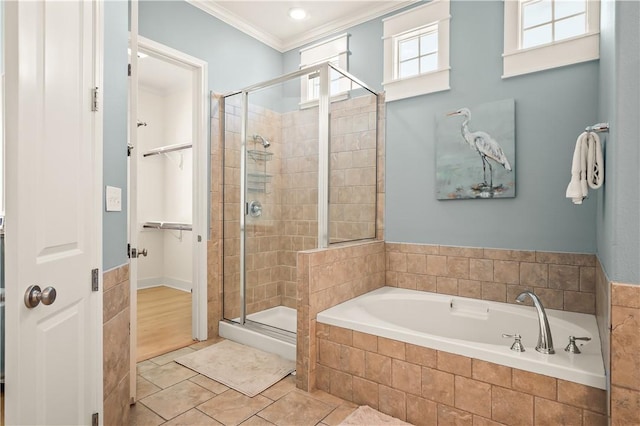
(116, 354)
(428, 387)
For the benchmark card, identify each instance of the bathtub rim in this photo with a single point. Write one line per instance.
(531, 360)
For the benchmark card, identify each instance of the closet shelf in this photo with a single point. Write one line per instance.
(176, 226)
(168, 148)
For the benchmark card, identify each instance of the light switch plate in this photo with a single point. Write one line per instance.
(113, 199)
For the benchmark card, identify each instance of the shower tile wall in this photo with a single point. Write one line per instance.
(289, 216)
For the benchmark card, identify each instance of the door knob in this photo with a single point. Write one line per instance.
(135, 253)
(34, 295)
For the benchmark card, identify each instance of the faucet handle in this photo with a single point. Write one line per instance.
(517, 344)
(572, 347)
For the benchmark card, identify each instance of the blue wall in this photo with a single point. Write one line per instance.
(618, 215)
(552, 107)
(114, 232)
(235, 59)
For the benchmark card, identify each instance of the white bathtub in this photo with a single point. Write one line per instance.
(474, 328)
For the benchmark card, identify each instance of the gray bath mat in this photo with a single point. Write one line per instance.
(366, 416)
(245, 369)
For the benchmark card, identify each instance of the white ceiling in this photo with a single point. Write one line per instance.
(269, 22)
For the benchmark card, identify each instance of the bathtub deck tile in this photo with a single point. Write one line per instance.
(391, 348)
(582, 396)
(589, 418)
(406, 377)
(481, 421)
(554, 413)
(511, 407)
(365, 341)
(365, 392)
(378, 368)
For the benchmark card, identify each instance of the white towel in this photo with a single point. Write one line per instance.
(587, 167)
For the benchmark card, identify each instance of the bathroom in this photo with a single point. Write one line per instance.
(582, 258)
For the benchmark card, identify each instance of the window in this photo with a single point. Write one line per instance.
(416, 51)
(543, 34)
(334, 51)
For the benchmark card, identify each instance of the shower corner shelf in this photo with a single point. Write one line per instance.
(176, 226)
(166, 149)
(258, 155)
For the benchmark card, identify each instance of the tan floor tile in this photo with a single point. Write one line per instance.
(296, 408)
(145, 366)
(192, 417)
(177, 399)
(140, 415)
(144, 388)
(256, 421)
(232, 408)
(168, 375)
(338, 415)
(171, 356)
(281, 388)
(327, 398)
(210, 384)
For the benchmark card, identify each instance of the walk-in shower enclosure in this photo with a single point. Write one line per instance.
(300, 160)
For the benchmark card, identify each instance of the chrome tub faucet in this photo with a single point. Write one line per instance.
(545, 341)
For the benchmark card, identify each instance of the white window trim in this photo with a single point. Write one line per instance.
(323, 52)
(516, 61)
(434, 12)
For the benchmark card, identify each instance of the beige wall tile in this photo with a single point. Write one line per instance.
(564, 277)
(473, 396)
(115, 300)
(365, 392)
(470, 288)
(505, 271)
(553, 413)
(514, 255)
(511, 407)
(582, 396)
(494, 291)
(481, 269)
(458, 267)
(378, 368)
(576, 301)
(341, 385)
(481, 421)
(491, 373)
(470, 252)
(392, 402)
(391, 348)
(329, 353)
(421, 411)
(588, 279)
(417, 263)
(436, 265)
(625, 406)
(534, 274)
(590, 418)
(438, 386)
(397, 262)
(445, 285)
(116, 351)
(449, 416)
(116, 405)
(551, 299)
(406, 377)
(341, 335)
(452, 363)
(535, 384)
(625, 295)
(365, 341)
(577, 259)
(426, 283)
(625, 347)
(421, 355)
(353, 359)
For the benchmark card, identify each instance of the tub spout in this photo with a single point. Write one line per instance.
(545, 342)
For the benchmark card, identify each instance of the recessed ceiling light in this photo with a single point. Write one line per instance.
(297, 13)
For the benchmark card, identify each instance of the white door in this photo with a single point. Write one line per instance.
(53, 231)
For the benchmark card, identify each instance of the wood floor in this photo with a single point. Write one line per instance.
(164, 321)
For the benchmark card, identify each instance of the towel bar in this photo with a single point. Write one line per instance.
(598, 128)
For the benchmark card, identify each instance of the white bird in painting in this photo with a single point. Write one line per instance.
(484, 144)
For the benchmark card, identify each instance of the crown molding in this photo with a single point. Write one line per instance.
(218, 11)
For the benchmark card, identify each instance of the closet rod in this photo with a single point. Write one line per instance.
(168, 225)
(165, 149)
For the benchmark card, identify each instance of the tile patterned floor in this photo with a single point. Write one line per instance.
(170, 394)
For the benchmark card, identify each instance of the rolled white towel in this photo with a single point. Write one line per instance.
(587, 167)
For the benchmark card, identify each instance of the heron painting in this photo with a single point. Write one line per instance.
(475, 154)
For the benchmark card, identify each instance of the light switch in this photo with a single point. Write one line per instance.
(113, 199)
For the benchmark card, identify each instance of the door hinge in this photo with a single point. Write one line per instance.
(129, 70)
(94, 279)
(199, 238)
(95, 419)
(129, 250)
(94, 99)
